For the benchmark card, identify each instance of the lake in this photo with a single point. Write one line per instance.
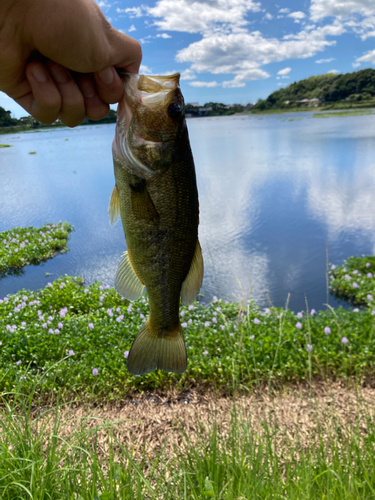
(276, 193)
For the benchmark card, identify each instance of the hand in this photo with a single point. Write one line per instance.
(58, 59)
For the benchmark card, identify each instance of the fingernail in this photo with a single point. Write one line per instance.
(40, 74)
(106, 76)
(59, 74)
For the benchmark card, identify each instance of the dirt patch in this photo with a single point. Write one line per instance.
(151, 423)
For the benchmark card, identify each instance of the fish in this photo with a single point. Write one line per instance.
(156, 197)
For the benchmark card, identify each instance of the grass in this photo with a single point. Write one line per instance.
(354, 281)
(229, 347)
(22, 246)
(5, 145)
(51, 452)
(352, 112)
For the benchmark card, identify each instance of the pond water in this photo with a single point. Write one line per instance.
(276, 192)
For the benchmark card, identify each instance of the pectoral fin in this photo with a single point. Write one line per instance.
(127, 283)
(142, 204)
(193, 281)
(114, 206)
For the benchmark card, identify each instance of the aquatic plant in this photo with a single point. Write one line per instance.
(30, 245)
(92, 328)
(354, 280)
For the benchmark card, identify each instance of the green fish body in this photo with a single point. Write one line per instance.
(157, 198)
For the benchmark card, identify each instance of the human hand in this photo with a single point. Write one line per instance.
(58, 59)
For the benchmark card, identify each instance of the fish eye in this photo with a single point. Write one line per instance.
(175, 111)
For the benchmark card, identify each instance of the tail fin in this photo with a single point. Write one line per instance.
(150, 351)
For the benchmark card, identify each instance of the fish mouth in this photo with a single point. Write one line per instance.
(153, 93)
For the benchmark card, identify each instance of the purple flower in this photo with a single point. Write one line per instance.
(369, 296)
(71, 352)
(214, 298)
(182, 313)
(8, 327)
(95, 372)
(62, 314)
(205, 352)
(90, 325)
(309, 347)
(312, 312)
(333, 266)
(251, 337)
(356, 310)
(344, 340)
(120, 318)
(214, 313)
(57, 331)
(184, 325)
(355, 272)
(110, 313)
(207, 323)
(369, 275)
(327, 330)
(118, 310)
(190, 321)
(126, 354)
(19, 362)
(298, 325)
(107, 286)
(23, 323)
(222, 327)
(60, 325)
(267, 311)
(347, 277)
(299, 315)
(256, 321)
(50, 330)
(355, 285)
(142, 316)
(24, 298)
(191, 307)
(49, 284)
(44, 325)
(368, 264)
(129, 309)
(214, 320)
(218, 309)
(100, 288)
(373, 313)
(231, 334)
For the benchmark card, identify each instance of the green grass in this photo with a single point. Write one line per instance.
(354, 281)
(5, 145)
(352, 112)
(39, 461)
(22, 246)
(228, 348)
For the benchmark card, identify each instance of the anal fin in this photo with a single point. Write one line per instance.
(114, 206)
(193, 281)
(127, 284)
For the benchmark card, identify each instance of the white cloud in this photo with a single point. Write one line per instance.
(132, 28)
(188, 74)
(284, 11)
(325, 60)
(145, 70)
(297, 16)
(284, 71)
(163, 35)
(132, 11)
(241, 52)
(246, 76)
(368, 57)
(203, 84)
(334, 71)
(268, 16)
(340, 8)
(198, 16)
(364, 27)
(103, 4)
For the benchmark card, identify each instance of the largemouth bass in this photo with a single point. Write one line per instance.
(156, 196)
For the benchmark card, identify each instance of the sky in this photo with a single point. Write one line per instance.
(237, 51)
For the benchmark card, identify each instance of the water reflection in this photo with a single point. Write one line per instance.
(272, 193)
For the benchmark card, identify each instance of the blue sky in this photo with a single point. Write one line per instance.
(236, 51)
